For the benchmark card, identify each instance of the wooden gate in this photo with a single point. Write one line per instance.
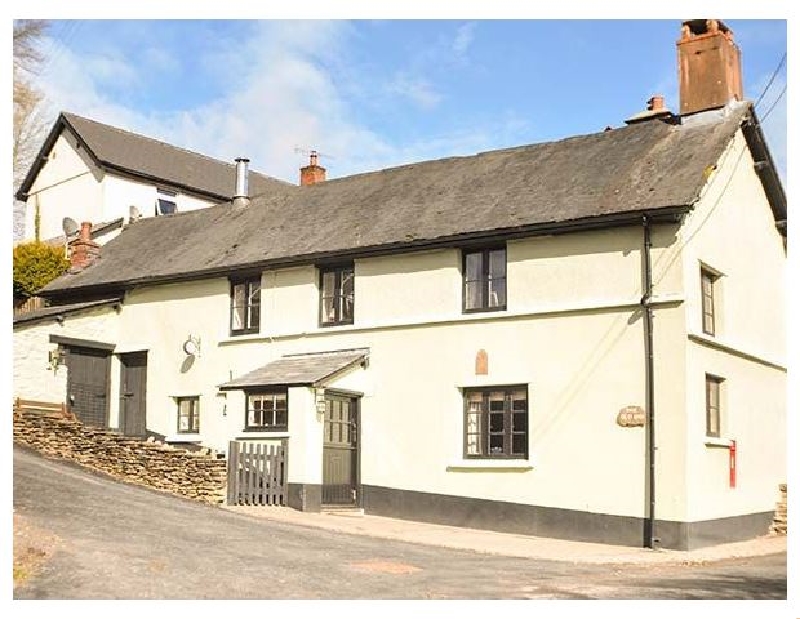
(257, 473)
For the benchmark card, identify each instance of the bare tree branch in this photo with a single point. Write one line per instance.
(29, 124)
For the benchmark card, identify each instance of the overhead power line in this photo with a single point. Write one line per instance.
(774, 103)
(772, 79)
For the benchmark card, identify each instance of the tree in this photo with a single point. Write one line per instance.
(29, 122)
(36, 264)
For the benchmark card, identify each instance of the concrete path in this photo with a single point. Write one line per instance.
(511, 545)
(117, 541)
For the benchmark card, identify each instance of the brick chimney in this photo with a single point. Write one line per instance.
(655, 109)
(83, 250)
(709, 66)
(312, 173)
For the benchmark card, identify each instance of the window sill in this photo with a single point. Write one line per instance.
(255, 434)
(189, 437)
(716, 441)
(491, 465)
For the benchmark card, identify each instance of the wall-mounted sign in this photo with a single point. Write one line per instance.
(631, 417)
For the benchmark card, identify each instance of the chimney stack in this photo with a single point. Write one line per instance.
(655, 109)
(241, 198)
(656, 103)
(312, 173)
(83, 250)
(709, 66)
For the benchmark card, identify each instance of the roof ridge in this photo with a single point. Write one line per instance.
(508, 149)
(67, 114)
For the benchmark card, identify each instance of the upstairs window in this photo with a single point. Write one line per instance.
(166, 202)
(708, 292)
(337, 295)
(496, 422)
(188, 415)
(245, 305)
(484, 274)
(267, 410)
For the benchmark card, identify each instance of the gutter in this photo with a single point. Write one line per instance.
(666, 214)
(649, 531)
(765, 170)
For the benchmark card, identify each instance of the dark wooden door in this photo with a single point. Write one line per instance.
(340, 451)
(133, 394)
(88, 372)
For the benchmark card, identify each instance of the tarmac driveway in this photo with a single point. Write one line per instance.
(121, 541)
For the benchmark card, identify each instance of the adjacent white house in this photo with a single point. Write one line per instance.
(581, 339)
(90, 171)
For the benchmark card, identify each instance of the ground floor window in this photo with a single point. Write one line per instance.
(267, 410)
(189, 415)
(713, 387)
(496, 422)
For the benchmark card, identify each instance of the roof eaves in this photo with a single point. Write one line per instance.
(60, 123)
(57, 310)
(765, 169)
(321, 382)
(165, 181)
(667, 213)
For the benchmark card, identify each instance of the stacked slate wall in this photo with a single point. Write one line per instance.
(198, 475)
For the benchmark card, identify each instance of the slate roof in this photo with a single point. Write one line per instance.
(131, 153)
(305, 369)
(650, 166)
(50, 312)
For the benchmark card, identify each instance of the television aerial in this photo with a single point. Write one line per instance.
(69, 226)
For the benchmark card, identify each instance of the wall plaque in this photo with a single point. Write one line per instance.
(482, 362)
(631, 417)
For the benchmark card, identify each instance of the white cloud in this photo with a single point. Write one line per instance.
(417, 89)
(464, 37)
(279, 93)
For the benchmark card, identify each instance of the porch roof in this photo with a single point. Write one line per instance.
(302, 369)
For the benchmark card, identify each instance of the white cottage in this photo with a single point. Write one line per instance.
(581, 339)
(90, 171)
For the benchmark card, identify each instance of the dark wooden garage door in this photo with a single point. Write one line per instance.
(87, 384)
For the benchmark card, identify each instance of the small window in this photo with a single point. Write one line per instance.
(337, 295)
(713, 406)
(166, 202)
(189, 415)
(267, 411)
(708, 287)
(496, 422)
(484, 275)
(245, 305)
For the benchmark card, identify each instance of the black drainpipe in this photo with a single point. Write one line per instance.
(650, 539)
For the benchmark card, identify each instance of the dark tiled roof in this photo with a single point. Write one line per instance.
(154, 160)
(139, 154)
(648, 166)
(306, 369)
(57, 310)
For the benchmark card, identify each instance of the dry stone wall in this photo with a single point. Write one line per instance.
(198, 475)
(779, 523)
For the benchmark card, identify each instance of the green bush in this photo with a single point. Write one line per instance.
(36, 264)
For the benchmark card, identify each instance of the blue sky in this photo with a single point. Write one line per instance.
(375, 93)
